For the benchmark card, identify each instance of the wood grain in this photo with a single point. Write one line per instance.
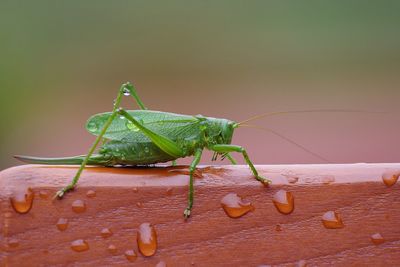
(124, 198)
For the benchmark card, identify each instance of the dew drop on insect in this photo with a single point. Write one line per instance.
(126, 92)
(62, 224)
(161, 264)
(13, 243)
(79, 245)
(22, 200)
(377, 239)
(92, 127)
(122, 117)
(389, 178)
(112, 249)
(106, 232)
(283, 201)
(332, 220)
(91, 193)
(43, 194)
(147, 239)
(131, 126)
(234, 206)
(130, 255)
(78, 206)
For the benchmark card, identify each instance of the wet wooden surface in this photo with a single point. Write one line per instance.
(117, 201)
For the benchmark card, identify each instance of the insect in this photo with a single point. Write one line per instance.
(144, 137)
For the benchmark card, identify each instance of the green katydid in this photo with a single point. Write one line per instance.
(144, 137)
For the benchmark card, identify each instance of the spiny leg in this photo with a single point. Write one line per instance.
(196, 160)
(117, 103)
(231, 159)
(239, 149)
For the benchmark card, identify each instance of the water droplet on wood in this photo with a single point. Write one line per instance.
(79, 245)
(22, 200)
(283, 201)
(234, 206)
(130, 255)
(13, 243)
(332, 220)
(377, 239)
(389, 178)
(91, 193)
(62, 224)
(112, 249)
(105, 233)
(78, 206)
(147, 239)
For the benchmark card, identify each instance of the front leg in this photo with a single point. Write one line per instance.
(239, 149)
(196, 160)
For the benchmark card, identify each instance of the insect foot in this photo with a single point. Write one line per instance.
(62, 192)
(263, 180)
(186, 213)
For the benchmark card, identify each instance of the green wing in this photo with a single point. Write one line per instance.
(170, 125)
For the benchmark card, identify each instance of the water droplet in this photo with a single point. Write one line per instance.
(122, 117)
(112, 249)
(292, 179)
(147, 239)
(78, 206)
(301, 263)
(169, 191)
(283, 201)
(278, 228)
(130, 255)
(105, 232)
(13, 243)
(131, 126)
(377, 239)
(332, 220)
(146, 150)
(62, 224)
(92, 126)
(126, 92)
(79, 245)
(390, 177)
(328, 179)
(139, 204)
(161, 264)
(22, 200)
(43, 194)
(234, 206)
(91, 193)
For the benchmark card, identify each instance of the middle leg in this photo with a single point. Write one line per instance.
(196, 160)
(239, 149)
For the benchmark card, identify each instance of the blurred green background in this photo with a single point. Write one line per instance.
(61, 61)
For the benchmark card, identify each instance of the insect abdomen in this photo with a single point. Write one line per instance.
(143, 153)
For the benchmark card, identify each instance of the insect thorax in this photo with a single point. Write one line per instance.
(217, 131)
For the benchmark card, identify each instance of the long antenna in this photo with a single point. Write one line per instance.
(288, 140)
(268, 114)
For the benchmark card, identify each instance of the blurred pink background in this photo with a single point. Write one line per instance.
(62, 62)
